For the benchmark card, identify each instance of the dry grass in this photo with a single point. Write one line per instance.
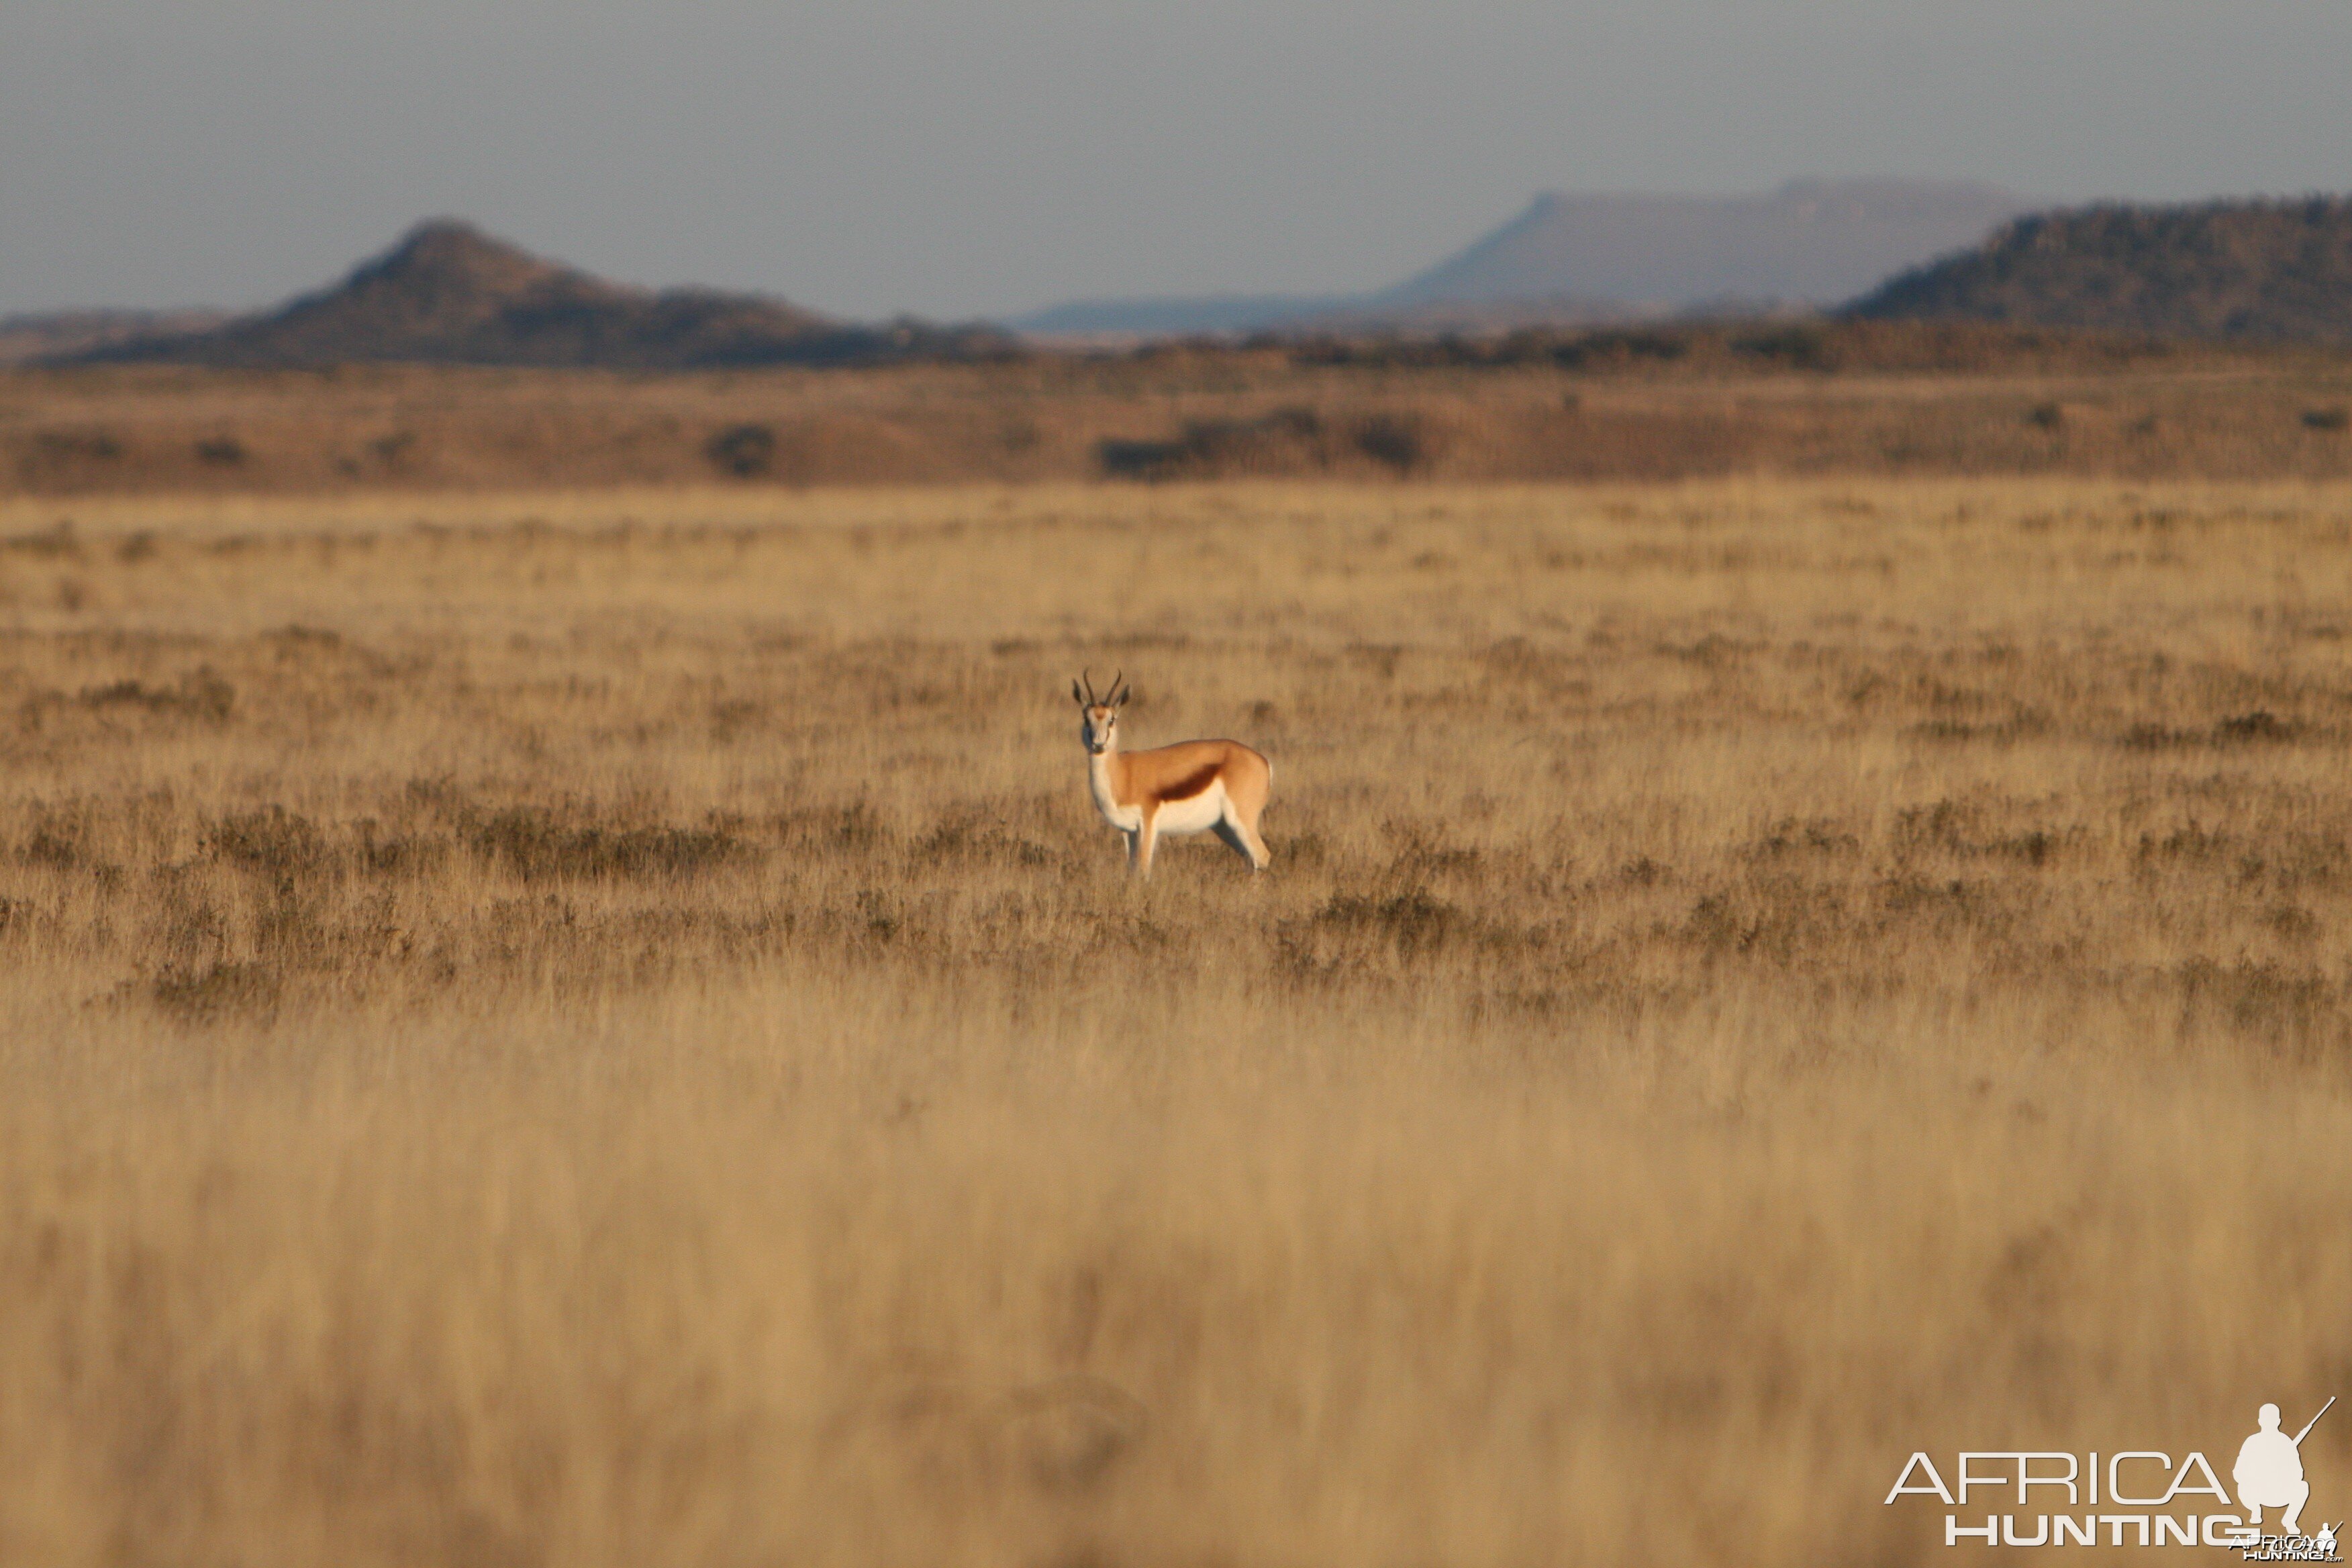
(602, 1030)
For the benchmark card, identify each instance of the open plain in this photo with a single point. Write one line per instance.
(601, 1027)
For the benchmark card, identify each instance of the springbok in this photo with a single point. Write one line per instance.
(1193, 786)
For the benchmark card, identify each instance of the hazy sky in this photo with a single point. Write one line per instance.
(956, 157)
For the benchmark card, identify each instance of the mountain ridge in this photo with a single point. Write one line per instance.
(2266, 268)
(448, 293)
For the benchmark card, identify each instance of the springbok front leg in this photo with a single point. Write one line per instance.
(1146, 838)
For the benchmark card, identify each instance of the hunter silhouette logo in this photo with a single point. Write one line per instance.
(2157, 1500)
(2269, 1471)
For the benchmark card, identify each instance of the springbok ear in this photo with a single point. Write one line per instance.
(1078, 695)
(1119, 699)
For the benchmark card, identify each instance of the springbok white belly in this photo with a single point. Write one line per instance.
(1197, 815)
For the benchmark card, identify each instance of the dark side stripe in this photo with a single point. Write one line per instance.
(1193, 783)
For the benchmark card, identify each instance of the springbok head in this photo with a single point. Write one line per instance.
(1099, 728)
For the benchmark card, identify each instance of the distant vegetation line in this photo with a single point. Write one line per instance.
(1860, 397)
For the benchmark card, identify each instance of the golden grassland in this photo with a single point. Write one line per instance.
(602, 1028)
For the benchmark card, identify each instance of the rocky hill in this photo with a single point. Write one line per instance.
(449, 294)
(2274, 270)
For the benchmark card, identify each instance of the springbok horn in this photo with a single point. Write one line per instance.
(1114, 697)
(1090, 686)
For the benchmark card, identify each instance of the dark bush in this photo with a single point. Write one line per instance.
(2259, 725)
(200, 695)
(1413, 920)
(1403, 442)
(537, 845)
(276, 840)
(67, 446)
(1123, 458)
(1619, 347)
(1284, 441)
(58, 543)
(1800, 347)
(746, 451)
(2156, 737)
(199, 996)
(57, 846)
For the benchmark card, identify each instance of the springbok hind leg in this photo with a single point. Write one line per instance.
(1242, 834)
